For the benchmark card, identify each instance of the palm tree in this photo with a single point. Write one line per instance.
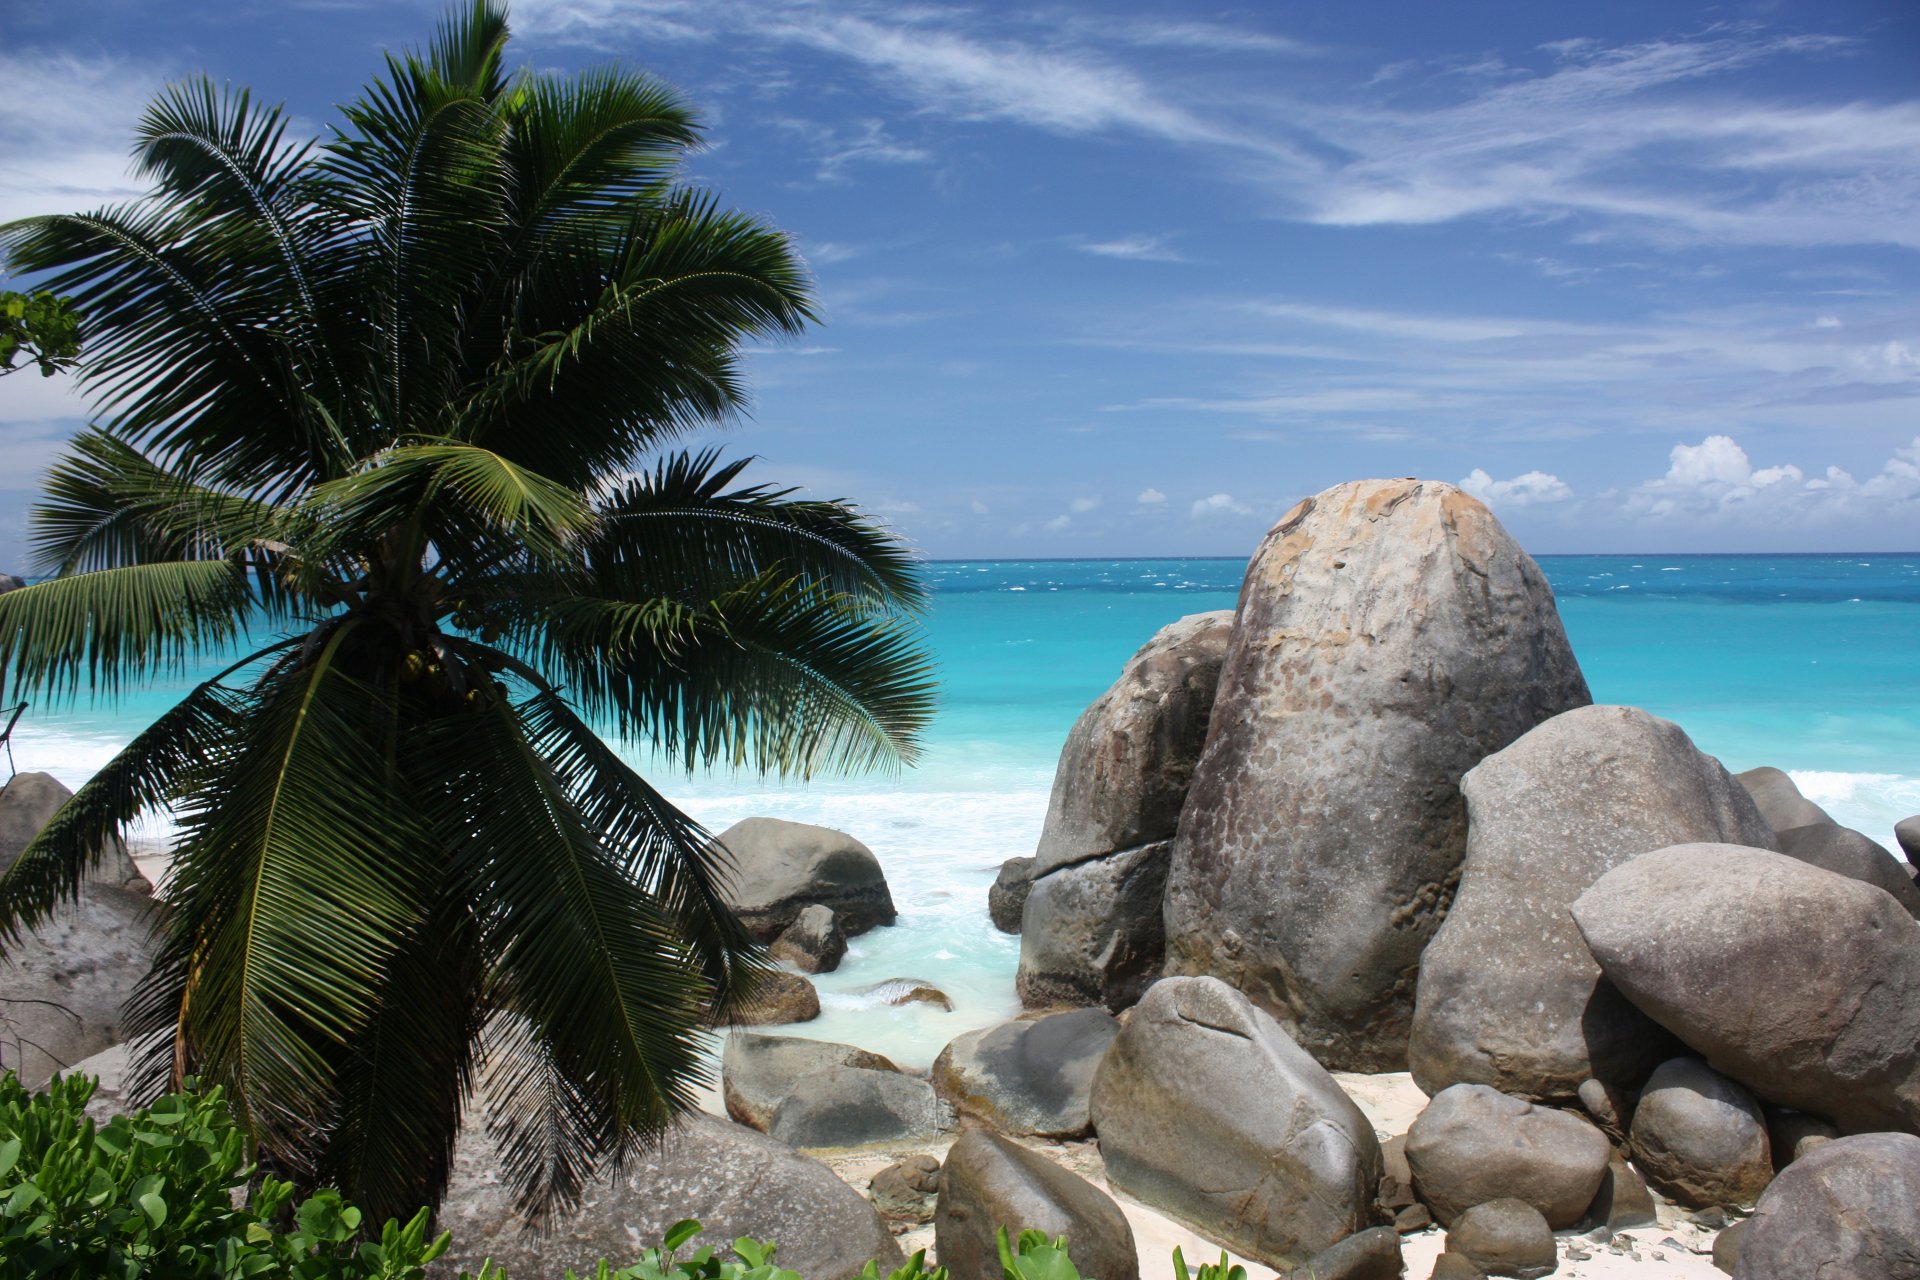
(382, 399)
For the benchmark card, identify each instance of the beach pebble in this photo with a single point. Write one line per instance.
(1801, 984)
(1700, 1138)
(1508, 994)
(757, 1072)
(990, 1182)
(1030, 1077)
(856, 1107)
(813, 943)
(1847, 852)
(1093, 932)
(732, 1179)
(1208, 1111)
(1779, 798)
(1473, 1144)
(1007, 899)
(1390, 635)
(1848, 1211)
(1504, 1237)
(779, 868)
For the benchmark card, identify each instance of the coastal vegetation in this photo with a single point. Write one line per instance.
(385, 413)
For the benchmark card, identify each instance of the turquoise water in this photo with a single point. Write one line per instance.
(1804, 662)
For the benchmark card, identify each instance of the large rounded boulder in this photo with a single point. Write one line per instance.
(1847, 1211)
(1801, 984)
(1473, 1144)
(64, 987)
(757, 1072)
(1091, 920)
(735, 1181)
(841, 1107)
(989, 1183)
(1390, 636)
(1032, 1077)
(779, 868)
(1509, 995)
(1779, 799)
(1700, 1138)
(1207, 1110)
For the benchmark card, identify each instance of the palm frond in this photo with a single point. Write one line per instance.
(104, 628)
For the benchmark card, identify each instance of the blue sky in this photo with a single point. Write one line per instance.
(1129, 279)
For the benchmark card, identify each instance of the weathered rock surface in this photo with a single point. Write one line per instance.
(733, 1180)
(1390, 636)
(64, 987)
(1093, 932)
(1847, 852)
(1907, 833)
(989, 1182)
(907, 1190)
(1849, 1211)
(1623, 1201)
(813, 943)
(1779, 799)
(1007, 899)
(1505, 1237)
(1473, 1144)
(1793, 1134)
(781, 867)
(757, 1072)
(1801, 984)
(1373, 1254)
(1610, 1107)
(1028, 1077)
(1208, 1111)
(856, 1107)
(1509, 996)
(781, 998)
(1700, 1138)
(1124, 771)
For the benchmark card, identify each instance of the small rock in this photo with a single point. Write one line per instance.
(990, 1182)
(1711, 1218)
(1793, 1134)
(813, 943)
(903, 991)
(1611, 1108)
(856, 1107)
(1726, 1247)
(1008, 896)
(781, 998)
(1623, 1199)
(1456, 1266)
(1700, 1138)
(907, 1189)
(1473, 1144)
(1373, 1254)
(1505, 1237)
(1412, 1219)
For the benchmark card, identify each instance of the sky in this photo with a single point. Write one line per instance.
(1130, 279)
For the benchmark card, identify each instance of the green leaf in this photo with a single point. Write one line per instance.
(153, 1205)
(679, 1233)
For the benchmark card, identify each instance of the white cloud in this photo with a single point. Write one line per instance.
(1080, 506)
(1139, 248)
(1827, 322)
(1219, 504)
(1521, 491)
(1716, 482)
(64, 135)
(1150, 497)
(1057, 523)
(1715, 460)
(980, 508)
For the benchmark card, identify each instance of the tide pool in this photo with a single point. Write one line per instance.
(1803, 662)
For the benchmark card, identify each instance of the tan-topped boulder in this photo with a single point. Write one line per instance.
(1390, 636)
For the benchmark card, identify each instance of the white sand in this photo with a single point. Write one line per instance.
(1676, 1248)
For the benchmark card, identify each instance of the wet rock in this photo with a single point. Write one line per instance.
(757, 1072)
(813, 943)
(1800, 984)
(1093, 932)
(735, 1181)
(901, 991)
(1508, 994)
(1505, 1237)
(1779, 799)
(1007, 899)
(1031, 1077)
(1473, 1144)
(1700, 1138)
(1207, 1111)
(779, 868)
(1390, 636)
(856, 1107)
(1849, 1211)
(779, 999)
(990, 1182)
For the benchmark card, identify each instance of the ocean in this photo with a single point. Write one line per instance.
(1807, 663)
